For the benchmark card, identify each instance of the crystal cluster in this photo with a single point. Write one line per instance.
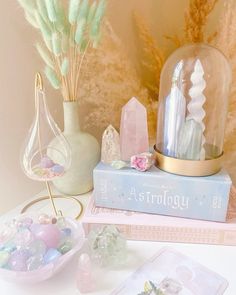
(142, 162)
(107, 245)
(47, 169)
(27, 244)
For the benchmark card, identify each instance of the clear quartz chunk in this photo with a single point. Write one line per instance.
(110, 145)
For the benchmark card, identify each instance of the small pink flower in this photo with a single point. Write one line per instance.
(141, 162)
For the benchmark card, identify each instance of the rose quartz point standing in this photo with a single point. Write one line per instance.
(84, 280)
(133, 129)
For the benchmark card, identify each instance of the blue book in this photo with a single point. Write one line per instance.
(159, 192)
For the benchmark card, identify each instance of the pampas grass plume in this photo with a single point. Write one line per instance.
(31, 19)
(56, 44)
(45, 29)
(52, 77)
(27, 5)
(73, 11)
(65, 67)
(80, 30)
(83, 10)
(44, 55)
(51, 10)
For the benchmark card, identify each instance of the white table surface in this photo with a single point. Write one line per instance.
(221, 259)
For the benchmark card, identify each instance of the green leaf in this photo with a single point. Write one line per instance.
(73, 11)
(52, 77)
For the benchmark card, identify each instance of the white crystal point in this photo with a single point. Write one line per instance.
(175, 108)
(133, 129)
(110, 145)
(195, 106)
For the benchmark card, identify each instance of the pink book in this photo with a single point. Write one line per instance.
(150, 227)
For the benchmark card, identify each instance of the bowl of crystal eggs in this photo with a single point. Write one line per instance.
(34, 247)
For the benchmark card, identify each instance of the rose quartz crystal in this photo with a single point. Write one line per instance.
(133, 130)
(84, 280)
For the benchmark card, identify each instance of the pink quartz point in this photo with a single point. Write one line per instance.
(133, 129)
(84, 279)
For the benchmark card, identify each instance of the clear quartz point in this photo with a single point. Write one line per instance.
(190, 141)
(110, 145)
(45, 142)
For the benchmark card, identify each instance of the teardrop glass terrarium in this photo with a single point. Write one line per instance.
(193, 103)
(46, 154)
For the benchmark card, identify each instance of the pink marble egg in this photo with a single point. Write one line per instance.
(48, 233)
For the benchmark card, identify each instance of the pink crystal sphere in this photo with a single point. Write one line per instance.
(49, 233)
(46, 162)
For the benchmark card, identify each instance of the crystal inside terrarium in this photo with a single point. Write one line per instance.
(193, 103)
(46, 154)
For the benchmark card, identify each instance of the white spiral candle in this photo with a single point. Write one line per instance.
(195, 106)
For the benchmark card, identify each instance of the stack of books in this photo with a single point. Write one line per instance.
(152, 227)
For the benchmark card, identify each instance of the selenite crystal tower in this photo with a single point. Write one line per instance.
(192, 112)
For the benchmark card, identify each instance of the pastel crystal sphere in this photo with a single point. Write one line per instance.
(58, 169)
(44, 219)
(46, 162)
(10, 246)
(18, 260)
(24, 237)
(4, 257)
(34, 262)
(26, 222)
(28, 244)
(48, 233)
(37, 247)
(51, 255)
(66, 231)
(108, 246)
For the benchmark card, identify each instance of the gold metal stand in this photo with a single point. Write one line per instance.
(59, 212)
(187, 167)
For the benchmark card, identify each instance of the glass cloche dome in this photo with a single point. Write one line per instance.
(192, 112)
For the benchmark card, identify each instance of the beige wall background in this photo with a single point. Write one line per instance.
(19, 62)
